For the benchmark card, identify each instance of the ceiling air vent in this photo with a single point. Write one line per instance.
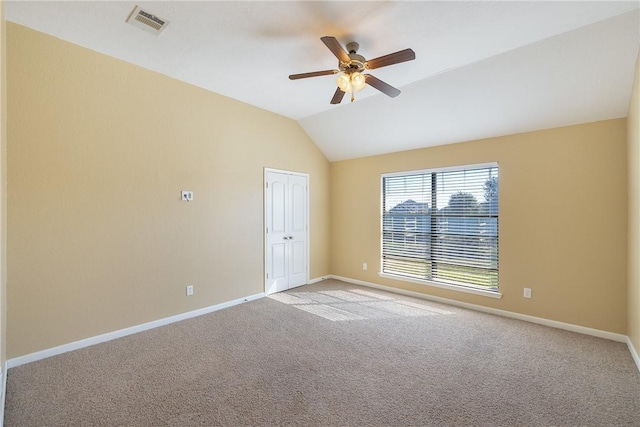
(147, 21)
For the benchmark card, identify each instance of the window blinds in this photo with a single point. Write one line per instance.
(442, 226)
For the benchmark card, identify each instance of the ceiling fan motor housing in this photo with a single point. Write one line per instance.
(357, 62)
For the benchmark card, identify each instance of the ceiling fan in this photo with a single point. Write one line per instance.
(352, 65)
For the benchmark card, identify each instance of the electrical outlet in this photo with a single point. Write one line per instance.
(364, 265)
(189, 290)
(187, 196)
(527, 292)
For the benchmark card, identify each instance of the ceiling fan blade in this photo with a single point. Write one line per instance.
(392, 58)
(313, 74)
(334, 46)
(383, 87)
(337, 97)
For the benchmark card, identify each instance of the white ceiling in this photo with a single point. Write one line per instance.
(482, 68)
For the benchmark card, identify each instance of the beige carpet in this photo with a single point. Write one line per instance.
(333, 354)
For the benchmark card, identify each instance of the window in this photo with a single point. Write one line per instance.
(441, 226)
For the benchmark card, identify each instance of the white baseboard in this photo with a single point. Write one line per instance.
(43, 354)
(21, 360)
(634, 353)
(539, 320)
(4, 393)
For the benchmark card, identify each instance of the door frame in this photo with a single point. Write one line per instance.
(264, 222)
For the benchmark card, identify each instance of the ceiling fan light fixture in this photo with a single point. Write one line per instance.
(351, 82)
(344, 83)
(358, 80)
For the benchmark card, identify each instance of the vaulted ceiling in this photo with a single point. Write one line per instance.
(482, 69)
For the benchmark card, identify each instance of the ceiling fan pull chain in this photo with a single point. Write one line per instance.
(352, 95)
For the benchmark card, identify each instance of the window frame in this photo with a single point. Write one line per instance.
(438, 284)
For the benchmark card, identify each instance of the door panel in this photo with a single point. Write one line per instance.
(278, 207)
(286, 246)
(278, 261)
(278, 280)
(298, 258)
(298, 207)
(298, 230)
(276, 250)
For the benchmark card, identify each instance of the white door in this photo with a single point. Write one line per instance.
(286, 213)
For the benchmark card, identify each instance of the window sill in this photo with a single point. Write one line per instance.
(481, 292)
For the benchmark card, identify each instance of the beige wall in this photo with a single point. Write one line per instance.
(3, 191)
(563, 220)
(98, 152)
(633, 131)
